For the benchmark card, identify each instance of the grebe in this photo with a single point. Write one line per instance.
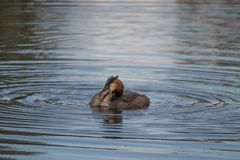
(113, 96)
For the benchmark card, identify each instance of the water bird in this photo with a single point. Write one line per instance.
(113, 96)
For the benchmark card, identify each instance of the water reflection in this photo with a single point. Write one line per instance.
(12, 151)
(55, 55)
(109, 116)
(17, 29)
(209, 33)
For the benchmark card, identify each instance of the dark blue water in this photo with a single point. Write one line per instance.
(54, 56)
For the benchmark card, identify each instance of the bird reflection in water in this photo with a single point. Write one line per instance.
(113, 99)
(109, 116)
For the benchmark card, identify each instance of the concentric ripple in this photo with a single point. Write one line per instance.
(54, 56)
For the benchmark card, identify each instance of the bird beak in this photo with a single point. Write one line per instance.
(104, 93)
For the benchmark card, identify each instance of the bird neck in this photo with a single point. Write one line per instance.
(106, 101)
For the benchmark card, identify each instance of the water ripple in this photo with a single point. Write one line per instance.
(184, 55)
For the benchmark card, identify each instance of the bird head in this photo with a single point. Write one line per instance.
(113, 88)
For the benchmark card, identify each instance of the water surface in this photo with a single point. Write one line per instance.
(183, 54)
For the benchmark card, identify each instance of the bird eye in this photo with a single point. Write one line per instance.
(118, 93)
